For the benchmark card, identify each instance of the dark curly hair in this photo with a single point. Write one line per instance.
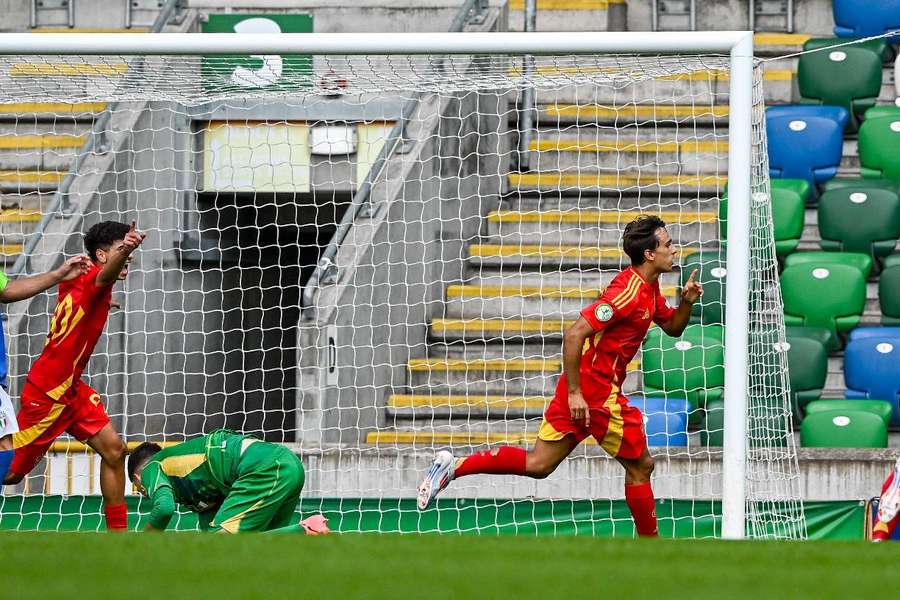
(103, 235)
(640, 236)
(140, 455)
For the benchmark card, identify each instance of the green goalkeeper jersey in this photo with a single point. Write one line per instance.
(197, 474)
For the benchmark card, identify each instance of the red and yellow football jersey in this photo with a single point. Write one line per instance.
(620, 318)
(81, 311)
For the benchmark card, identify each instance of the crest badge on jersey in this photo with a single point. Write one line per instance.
(603, 312)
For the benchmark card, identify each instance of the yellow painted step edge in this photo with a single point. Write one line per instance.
(500, 325)
(422, 400)
(19, 215)
(587, 217)
(71, 446)
(456, 439)
(587, 179)
(32, 176)
(703, 75)
(52, 107)
(509, 291)
(612, 145)
(610, 252)
(32, 142)
(635, 110)
(493, 364)
(59, 69)
(780, 39)
(10, 249)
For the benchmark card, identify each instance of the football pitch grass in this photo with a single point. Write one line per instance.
(190, 565)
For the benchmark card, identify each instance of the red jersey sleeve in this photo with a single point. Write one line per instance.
(663, 311)
(87, 284)
(616, 303)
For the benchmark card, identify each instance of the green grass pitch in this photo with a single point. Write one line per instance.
(183, 565)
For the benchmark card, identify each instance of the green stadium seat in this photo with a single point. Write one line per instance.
(879, 146)
(843, 429)
(839, 183)
(883, 111)
(712, 430)
(820, 334)
(789, 197)
(807, 360)
(829, 295)
(889, 292)
(881, 408)
(857, 260)
(865, 220)
(892, 261)
(849, 76)
(690, 366)
(711, 307)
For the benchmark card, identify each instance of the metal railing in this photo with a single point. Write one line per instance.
(472, 11)
(60, 204)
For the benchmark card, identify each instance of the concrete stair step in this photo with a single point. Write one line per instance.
(592, 227)
(492, 376)
(564, 15)
(628, 113)
(55, 112)
(19, 182)
(15, 224)
(30, 201)
(605, 201)
(507, 304)
(649, 181)
(430, 406)
(556, 256)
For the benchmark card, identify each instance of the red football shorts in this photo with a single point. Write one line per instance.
(42, 420)
(617, 426)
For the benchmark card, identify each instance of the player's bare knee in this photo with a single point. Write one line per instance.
(13, 478)
(645, 466)
(114, 456)
(539, 469)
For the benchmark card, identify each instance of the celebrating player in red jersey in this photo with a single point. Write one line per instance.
(588, 402)
(888, 516)
(54, 399)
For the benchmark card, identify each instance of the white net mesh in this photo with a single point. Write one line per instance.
(440, 325)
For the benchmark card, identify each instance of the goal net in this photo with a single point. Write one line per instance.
(371, 258)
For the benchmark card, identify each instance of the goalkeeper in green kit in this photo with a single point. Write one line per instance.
(234, 482)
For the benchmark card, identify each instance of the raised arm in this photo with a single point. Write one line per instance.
(26, 287)
(118, 255)
(692, 291)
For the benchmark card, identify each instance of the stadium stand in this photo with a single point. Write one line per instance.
(849, 76)
(871, 367)
(687, 367)
(881, 408)
(857, 260)
(843, 429)
(807, 360)
(711, 276)
(889, 293)
(879, 144)
(805, 141)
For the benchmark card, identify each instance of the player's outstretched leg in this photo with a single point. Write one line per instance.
(537, 463)
(888, 506)
(639, 493)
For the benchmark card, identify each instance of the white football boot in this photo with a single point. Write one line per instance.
(439, 476)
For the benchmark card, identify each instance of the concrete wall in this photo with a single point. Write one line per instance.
(810, 16)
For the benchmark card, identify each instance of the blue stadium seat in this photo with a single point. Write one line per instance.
(665, 420)
(805, 141)
(864, 18)
(872, 366)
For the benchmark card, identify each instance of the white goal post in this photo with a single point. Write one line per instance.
(738, 45)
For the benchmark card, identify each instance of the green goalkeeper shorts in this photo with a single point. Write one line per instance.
(265, 493)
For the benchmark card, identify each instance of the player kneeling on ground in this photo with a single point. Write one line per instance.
(234, 482)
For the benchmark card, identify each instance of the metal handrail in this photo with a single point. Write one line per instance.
(60, 197)
(326, 267)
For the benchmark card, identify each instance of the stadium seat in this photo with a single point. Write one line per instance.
(789, 198)
(665, 420)
(820, 334)
(881, 408)
(879, 146)
(839, 183)
(857, 260)
(865, 220)
(868, 332)
(865, 18)
(712, 430)
(690, 366)
(805, 142)
(883, 110)
(849, 76)
(843, 429)
(711, 307)
(807, 360)
(872, 367)
(889, 293)
(829, 295)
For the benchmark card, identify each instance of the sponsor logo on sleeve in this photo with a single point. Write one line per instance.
(603, 312)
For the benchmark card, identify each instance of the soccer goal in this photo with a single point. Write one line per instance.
(367, 246)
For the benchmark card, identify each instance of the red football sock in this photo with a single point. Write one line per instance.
(639, 498)
(116, 516)
(505, 460)
(884, 531)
